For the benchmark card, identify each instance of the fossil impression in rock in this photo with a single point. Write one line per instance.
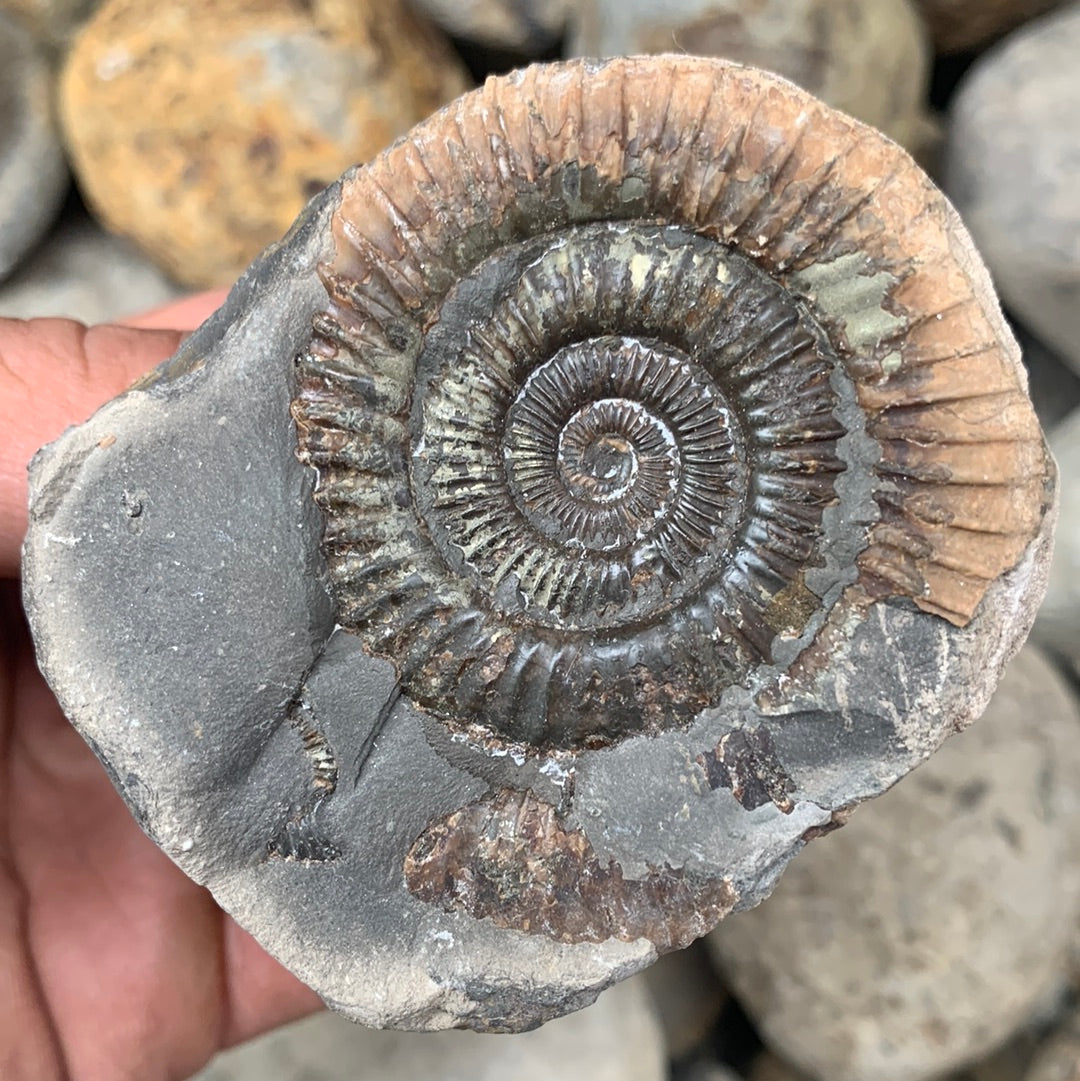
(660, 483)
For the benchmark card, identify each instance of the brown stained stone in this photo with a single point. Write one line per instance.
(869, 58)
(957, 25)
(511, 859)
(201, 128)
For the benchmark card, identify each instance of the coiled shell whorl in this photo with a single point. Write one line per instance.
(638, 377)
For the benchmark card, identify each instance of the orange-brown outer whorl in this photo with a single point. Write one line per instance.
(837, 216)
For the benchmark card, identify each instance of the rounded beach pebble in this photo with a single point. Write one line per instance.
(523, 27)
(82, 272)
(200, 128)
(869, 59)
(616, 1039)
(966, 24)
(921, 935)
(1011, 166)
(33, 176)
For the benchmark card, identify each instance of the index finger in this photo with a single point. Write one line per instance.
(184, 314)
(55, 372)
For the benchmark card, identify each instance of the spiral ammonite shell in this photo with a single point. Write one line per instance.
(667, 486)
(612, 357)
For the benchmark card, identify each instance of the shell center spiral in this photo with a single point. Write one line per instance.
(585, 501)
(614, 450)
(602, 466)
(602, 448)
(595, 461)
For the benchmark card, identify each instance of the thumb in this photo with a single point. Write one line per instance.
(54, 373)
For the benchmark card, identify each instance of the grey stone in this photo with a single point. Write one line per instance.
(938, 920)
(963, 25)
(1009, 1063)
(527, 28)
(1053, 384)
(177, 590)
(82, 272)
(52, 22)
(1058, 623)
(615, 1039)
(33, 175)
(687, 997)
(1059, 1058)
(1011, 162)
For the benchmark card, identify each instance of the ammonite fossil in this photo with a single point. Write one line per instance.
(593, 497)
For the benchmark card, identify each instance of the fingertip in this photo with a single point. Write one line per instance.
(55, 373)
(184, 314)
(260, 994)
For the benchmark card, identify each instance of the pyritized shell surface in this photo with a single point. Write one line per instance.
(600, 352)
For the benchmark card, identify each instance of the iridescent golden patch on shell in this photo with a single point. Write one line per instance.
(730, 169)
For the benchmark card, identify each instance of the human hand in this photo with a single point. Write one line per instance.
(113, 964)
